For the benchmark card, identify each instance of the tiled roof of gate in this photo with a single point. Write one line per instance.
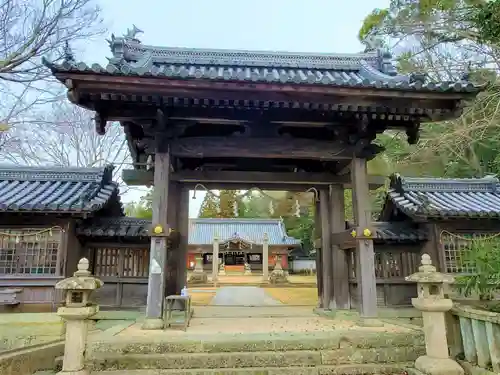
(445, 198)
(56, 190)
(201, 231)
(373, 69)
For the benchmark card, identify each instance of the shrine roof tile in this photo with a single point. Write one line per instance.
(57, 190)
(444, 198)
(371, 69)
(364, 76)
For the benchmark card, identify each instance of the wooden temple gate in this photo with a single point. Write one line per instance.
(239, 119)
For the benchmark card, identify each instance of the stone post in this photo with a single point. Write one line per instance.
(265, 258)
(433, 305)
(76, 310)
(215, 259)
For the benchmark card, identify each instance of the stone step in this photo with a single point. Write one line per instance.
(253, 343)
(360, 369)
(258, 359)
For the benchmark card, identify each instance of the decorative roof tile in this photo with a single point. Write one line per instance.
(201, 231)
(444, 198)
(372, 69)
(56, 190)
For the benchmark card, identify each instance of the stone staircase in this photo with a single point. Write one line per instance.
(344, 352)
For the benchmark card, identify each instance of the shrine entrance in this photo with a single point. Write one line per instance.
(236, 253)
(234, 258)
(273, 120)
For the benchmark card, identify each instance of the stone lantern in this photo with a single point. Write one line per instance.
(76, 310)
(432, 303)
(278, 276)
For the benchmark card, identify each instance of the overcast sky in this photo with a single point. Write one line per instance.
(282, 25)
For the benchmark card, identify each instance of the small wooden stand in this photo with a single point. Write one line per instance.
(170, 303)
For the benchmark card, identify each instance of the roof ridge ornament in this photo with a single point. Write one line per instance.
(376, 43)
(69, 56)
(373, 42)
(132, 33)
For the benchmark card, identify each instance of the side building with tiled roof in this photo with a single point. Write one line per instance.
(423, 215)
(40, 209)
(448, 210)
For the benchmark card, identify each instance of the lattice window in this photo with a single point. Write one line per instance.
(106, 262)
(121, 262)
(136, 262)
(454, 248)
(29, 252)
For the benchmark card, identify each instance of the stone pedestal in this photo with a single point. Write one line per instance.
(76, 311)
(433, 305)
(198, 276)
(77, 327)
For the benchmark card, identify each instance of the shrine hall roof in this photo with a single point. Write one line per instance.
(371, 69)
(443, 198)
(58, 190)
(202, 231)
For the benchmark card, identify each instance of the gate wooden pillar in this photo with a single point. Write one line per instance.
(326, 249)
(158, 253)
(173, 253)
(365, 255)
(183, 224)
(339, 257)
(317, 245)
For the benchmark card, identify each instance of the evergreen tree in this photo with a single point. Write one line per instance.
(209, 207)
(228, 202)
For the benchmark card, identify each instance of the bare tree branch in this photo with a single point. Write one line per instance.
(29, 30)
(65, 136)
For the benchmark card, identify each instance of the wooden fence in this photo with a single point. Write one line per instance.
(124, 271)
(392, 265)
(475, 336)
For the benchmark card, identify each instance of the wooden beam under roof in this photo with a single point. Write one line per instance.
(242, 180)
(267, 148)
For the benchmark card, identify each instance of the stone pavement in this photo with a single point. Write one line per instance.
(243, 296)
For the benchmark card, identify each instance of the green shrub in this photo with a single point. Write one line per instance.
(483, 257)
